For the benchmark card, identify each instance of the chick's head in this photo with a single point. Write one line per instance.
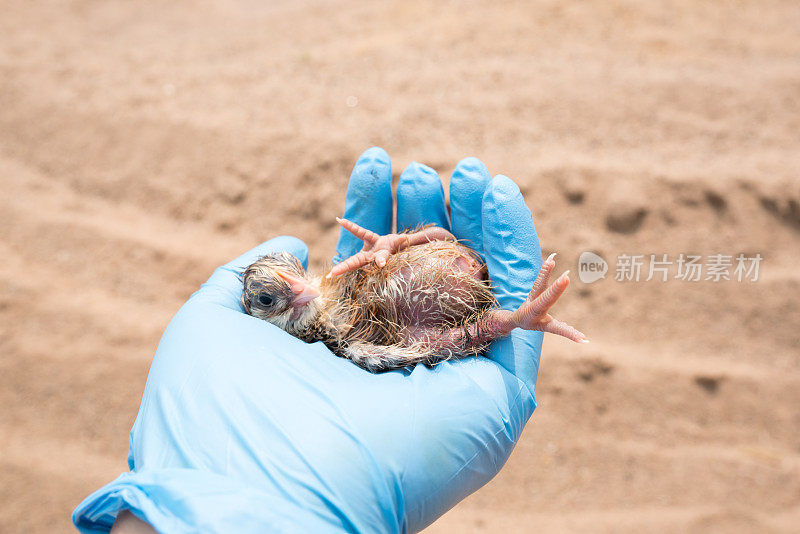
(275, 289)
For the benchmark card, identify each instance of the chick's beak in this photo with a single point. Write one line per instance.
(303, 291)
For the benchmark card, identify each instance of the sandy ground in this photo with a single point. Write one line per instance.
(144, 143)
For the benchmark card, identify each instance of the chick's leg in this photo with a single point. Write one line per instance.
(378, 248)
(495, 324)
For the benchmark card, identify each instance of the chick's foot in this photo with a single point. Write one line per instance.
(533, 313)
(378, 248)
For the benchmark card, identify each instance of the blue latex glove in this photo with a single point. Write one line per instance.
(243, 428)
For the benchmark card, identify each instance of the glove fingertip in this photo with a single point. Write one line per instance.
(502, 189)
(374, 154)
(472, 166)
(368, 201)
(371, 175)
(420, 198)
(413, 171)
(468, 184)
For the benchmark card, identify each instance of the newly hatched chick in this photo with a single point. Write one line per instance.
(417, 297)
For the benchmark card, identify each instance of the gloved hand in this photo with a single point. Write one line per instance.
(244, 428)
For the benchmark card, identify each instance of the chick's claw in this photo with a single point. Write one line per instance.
(368, 237)
(544, 276)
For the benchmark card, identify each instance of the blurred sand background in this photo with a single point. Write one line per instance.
(144, 143)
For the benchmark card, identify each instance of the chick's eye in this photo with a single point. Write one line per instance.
(265, 300)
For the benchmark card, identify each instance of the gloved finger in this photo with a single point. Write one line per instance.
(224, 287)
(368, 202)
(513, 257)
(420, 198)
(467, 185)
